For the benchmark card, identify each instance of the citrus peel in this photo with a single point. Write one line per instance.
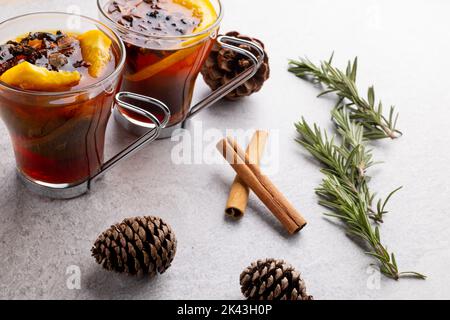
(27, 76)
(96, 49)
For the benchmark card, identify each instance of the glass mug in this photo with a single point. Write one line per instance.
(59, 137)
(166, 68)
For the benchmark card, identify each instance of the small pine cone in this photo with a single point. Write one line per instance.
(137, 246)
(272, 279)
(223, 65)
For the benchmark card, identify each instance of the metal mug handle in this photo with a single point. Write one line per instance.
(151, 135)
(228, 42)
(232, 43)
(73, 191)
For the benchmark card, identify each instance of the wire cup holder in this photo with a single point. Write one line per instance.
(158, 128)
(227, 42)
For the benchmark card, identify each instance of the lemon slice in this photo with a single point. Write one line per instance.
(95, 48)
(201, 9)
(27, 76)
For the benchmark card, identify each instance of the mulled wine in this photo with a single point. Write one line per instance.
(167, 42)
(55, 102)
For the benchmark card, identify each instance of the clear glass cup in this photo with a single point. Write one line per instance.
(59, 137)
(163, 67)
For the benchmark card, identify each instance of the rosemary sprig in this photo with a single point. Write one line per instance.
(366, 112)
(344, 190)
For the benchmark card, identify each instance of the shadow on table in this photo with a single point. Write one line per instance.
(254, 206)
(103, 284)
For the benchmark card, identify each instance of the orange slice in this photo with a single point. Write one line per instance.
(162, 65)
(95, 48)
(202, 9)
(27, 76)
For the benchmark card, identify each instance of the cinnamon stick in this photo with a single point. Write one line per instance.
(266, 191)
(239, 192)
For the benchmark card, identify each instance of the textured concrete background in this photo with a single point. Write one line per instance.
(403, 49)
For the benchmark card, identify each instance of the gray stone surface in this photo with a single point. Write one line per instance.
(403, 51)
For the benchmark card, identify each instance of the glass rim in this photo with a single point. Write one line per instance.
(165, 37)
(113, 74)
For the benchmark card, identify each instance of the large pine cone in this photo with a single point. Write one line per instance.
(138, 246)
(272, 279)
(223, 65)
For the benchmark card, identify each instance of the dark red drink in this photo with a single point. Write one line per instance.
(57, 126)
(165, 49)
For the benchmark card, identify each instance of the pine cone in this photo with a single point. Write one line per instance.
(272, 279)
(223, 65)
(137, 246)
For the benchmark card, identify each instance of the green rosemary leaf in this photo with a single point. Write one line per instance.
(354, 69)
(393, 260)
(365, 112)
(344, 189)
(371, 96)
(325, 93)
(373, 254)
(388, 198)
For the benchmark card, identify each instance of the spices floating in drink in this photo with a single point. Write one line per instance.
(158, 18)
(165, 49)
(44, 61)
(57, 139)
